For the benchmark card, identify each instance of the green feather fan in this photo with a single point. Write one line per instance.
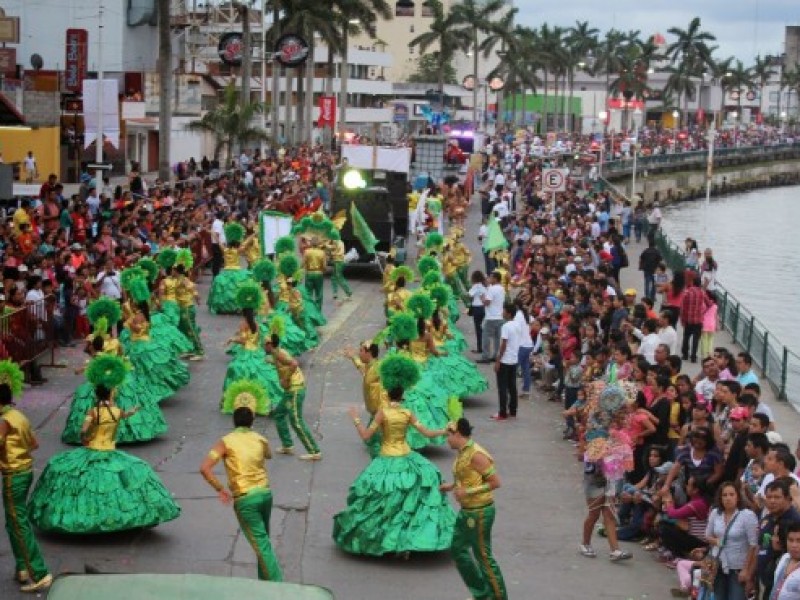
(184, 258)
(166, 258)
(264, 271)
(138, 290)
(289, 265)
(150, 267)
(431, 279)
(106, 370)
(234, 233)
(127, 276)
(104, 307)
(245, 393)
(433, 241)
(403, 272)
(284, 244)
(441, 295)
(398, 371)
(426, 264)
(12, 376)
(421, 305)
(403, 327)
(248, 295)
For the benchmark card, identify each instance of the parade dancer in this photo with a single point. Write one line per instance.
(375, 398)
(314, 262)
(97, 488)
(222, 296)
(187, 297)
(290, 406)
(396, 299)
(475, 478)
(336, 248)
(244, 454)
(394, 505)
(17, 443)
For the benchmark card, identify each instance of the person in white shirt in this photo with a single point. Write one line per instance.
(786, 582)
(523, 321)
(109, 283)
(499, 182)
(217, 242)
(476, 308)
(667, 332)
(649, 339)
(505, 366)
(493, 301)
(501, 209)
(706, 386)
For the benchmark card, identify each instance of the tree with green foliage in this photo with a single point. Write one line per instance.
(430, 69)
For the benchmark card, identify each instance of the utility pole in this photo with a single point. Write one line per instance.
(165, 83)
(247, 53)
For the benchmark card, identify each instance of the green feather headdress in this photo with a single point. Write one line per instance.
(316, 223)
(245, 393)
(166, 258)
(289, 265)
(284, 244)
(441, 295)
(138, 290)
(403, 327)
(421, 305)
(104, 307)
(264, 271)
(277, 327)
(398, 371)
(248, 295)
(150, 267)
(101, 326)
(12, 376)
(431, 279)
(106, 370)
(184, 258)
(234, 232)
(130, 274)
(426, 264)
(403, 272)
(433, 241)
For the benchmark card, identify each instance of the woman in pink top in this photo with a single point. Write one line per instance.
(709, 327)
(673, 294)
(683, 529)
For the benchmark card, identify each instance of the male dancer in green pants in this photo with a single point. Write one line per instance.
(336, 249)
(291, 405)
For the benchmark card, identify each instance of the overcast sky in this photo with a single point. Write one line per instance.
(743, 28)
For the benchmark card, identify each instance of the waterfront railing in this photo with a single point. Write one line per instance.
(697, 160)
(779, 364)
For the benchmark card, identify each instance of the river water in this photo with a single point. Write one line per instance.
(756, 242)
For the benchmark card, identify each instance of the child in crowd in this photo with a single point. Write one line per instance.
(709, 327)
(661, 278)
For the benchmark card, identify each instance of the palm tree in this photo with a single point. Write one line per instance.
(720, 71)
(548, 43)
(739, 79)
(789, 79)
(473, 18)
(231, 123)
(608, 56)
(582, 42)
(501, 34)
(445, 37)
(631, 80)
(762, 72)
(518, 67)
(691, 45)
(681, 81)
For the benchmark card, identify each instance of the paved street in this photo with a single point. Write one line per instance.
(540, 506)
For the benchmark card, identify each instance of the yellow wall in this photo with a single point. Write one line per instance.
(44, 142)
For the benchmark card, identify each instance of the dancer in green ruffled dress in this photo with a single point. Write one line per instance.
(98, 489)
(249, 359)
(394, 505)
(155, 361)
(291, 300)
(143, 425)
(284, 247)
(187, 297)
(17, 443)
(222, 296)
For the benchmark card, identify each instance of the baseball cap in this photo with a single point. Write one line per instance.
(630, 292)
(740, 412)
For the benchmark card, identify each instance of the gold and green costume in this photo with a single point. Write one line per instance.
(245, 454)
(222, 295)
(289, 410)
(375, 398)
(472, 539)
(395, 505)
(16, 466)
(337, 277)
(185, 293)
(314, 267)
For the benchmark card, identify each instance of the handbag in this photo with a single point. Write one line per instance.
(710, 565)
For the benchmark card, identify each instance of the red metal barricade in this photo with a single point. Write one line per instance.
(28, 333)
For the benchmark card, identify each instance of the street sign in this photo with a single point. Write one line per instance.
(99, 167)
(554, 180)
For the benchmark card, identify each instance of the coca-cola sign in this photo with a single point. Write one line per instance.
(231, 49)
(291, 50)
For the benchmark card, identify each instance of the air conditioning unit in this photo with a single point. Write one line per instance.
(373, 73)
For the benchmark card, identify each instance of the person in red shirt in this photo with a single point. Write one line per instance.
(26, 241)
(80, 224)
(693, 307)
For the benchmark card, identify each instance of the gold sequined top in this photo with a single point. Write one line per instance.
(314, 260)
(248, 339)
(397, 299)
(15, 453)
(185, 291)
(251, 249)
(169, 289)
(245, 453)
(388, 284)
(265, 307)
(139, 328)
(466, 476)
(395, 423)
(230, 257)
(419, 350)
(439, 335)
(285, 289)
(111, 345)
(460, 254)
(448, 265)
(337, 250)
(375, 397)
(104, 428)
(291, 377)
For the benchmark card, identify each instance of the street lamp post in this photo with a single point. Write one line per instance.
(675, 115)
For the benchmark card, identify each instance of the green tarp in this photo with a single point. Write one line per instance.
(178, 587)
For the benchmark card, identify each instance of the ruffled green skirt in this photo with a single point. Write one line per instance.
(85, 491)
(313, 314)
(251, 364)
(395, 506)
(157, 367)
(171, 312)
(428, 401)
(165, 331)
(147, 424)
(296, 340)
(222, 296)
(458, 375)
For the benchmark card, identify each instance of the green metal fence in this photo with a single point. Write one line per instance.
(779, 364)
